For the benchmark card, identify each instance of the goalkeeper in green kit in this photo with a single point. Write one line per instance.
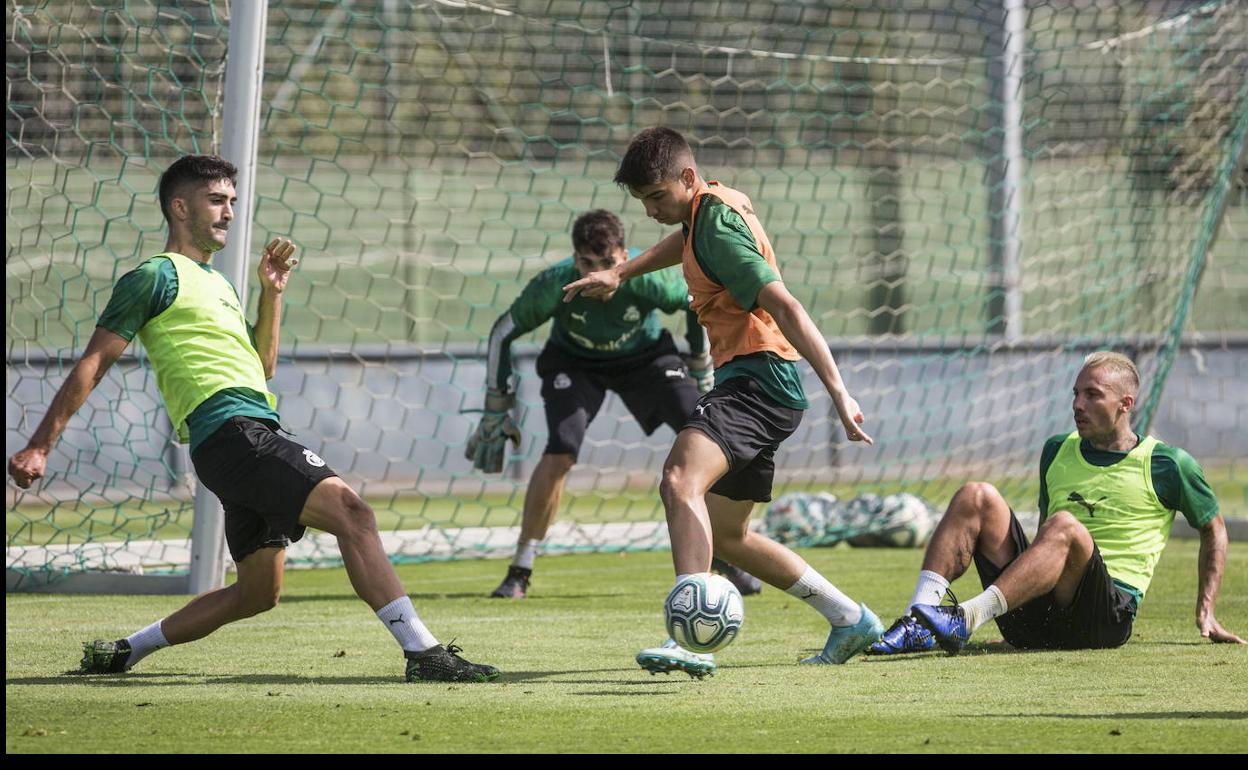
(594, 347)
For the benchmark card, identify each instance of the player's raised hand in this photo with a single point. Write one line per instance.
(276, 263)
(601, 284)
(1212, 630)
(28, 466)
(852, 418)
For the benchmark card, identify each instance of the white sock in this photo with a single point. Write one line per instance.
(983, 608)
(526, 552)
(400, 617)
(144, 642)
(815, 590)
(930, 589)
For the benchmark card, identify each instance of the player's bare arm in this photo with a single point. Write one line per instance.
(603, 284)
(801, 332)
(1212, 563)
(30, 464)
(274, 271)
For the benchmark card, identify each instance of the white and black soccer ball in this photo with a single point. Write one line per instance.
(902, 520)
(798, 517)
(704, 612)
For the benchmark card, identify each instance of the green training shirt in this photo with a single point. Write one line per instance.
(589, 328)
(144, 293)
(1177, 481)
(727, 254)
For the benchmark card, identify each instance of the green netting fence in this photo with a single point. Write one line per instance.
(429, 158)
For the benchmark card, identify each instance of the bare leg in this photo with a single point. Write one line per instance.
(762, 557)
(1056, 562)
(541, 501)
(693, 466)
(978, 519)
(335, 508)
(257, 589)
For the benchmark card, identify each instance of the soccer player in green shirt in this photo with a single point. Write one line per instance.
(594, 346)
(1107, 500)
(211, 367)
(723, 461)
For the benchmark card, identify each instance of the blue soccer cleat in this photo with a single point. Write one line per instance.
(905, 635)
(844, 642)
(947, 624)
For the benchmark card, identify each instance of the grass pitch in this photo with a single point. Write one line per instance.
(320, 674)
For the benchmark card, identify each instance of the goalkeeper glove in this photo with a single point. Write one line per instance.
(701, 370)
(486, 446)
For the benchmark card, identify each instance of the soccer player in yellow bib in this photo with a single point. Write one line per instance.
(1108, 497)
(723, 459)
(211, 368)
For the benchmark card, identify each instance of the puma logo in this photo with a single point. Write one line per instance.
(577, 317)
(1075, 497)
(807, 596)
(700, 409)
(398, 621)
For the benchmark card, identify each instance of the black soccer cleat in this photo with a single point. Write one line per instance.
(515, 585)
(443, 664)
(104, 657)
(746, 583)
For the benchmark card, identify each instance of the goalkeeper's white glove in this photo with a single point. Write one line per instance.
(487, 444)
(701, 370)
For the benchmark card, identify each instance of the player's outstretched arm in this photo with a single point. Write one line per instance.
(604, 283)
(28, 466)
(1212, 564)
(802, 333)
(274, 271)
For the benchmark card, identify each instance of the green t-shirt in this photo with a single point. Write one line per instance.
(726, 252)
(588, 328)
(1178, 482)
(144, 293)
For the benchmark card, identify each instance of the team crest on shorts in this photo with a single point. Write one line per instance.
(632, 314)
(562, 381)
(313, 459)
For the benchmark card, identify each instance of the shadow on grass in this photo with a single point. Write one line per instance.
(436, 596)
(1236, 715)
(970, 650)
(189, 679)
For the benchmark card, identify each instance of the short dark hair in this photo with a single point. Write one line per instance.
(597, 232)
(191, 171)
(655, 156)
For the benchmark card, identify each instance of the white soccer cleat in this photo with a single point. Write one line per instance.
(671, 657)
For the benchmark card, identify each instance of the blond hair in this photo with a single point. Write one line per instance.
(1122, 368)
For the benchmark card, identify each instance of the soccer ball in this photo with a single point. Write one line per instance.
(899, 521)
(799, 517)
(704, 612)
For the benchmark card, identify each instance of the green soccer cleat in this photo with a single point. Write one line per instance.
(671, 657)
(844, 642)
(443, 664)
(104, 657)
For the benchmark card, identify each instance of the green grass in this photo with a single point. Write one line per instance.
(319, 674)
(79, 522)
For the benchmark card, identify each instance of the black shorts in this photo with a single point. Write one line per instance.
(263, 480)
(1099, 617)
(748, 425)
(654, 384)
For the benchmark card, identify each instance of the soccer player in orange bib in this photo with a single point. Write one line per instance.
(723, 460)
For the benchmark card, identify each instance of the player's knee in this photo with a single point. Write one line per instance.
(256, 600)
(675, 488)
(1065, 527)
(560, 464)
(974, 499)
(357, 516)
